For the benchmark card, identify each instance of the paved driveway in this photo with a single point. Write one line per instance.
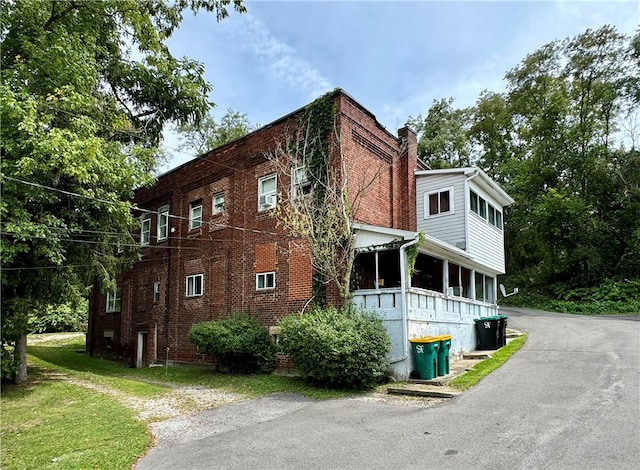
(569, 399)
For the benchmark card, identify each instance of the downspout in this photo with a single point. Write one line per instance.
(404, 288)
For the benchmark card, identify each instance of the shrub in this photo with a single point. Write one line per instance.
(239, 343)
(338, 348)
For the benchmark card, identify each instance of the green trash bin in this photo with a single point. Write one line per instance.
(488, 330)
(443, 354)
(425, 356)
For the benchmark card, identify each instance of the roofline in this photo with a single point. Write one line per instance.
(472, 172)
(336, 92)
(394, 232)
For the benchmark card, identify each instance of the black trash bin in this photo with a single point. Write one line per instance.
(502, 331)
(488, 330)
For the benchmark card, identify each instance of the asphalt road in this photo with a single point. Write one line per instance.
(569, 399)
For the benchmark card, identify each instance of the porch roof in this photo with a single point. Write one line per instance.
(371, 236)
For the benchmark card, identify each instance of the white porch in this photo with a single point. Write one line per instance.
(447, 291)
(428, 313)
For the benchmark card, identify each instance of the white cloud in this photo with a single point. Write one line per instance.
(280, 60)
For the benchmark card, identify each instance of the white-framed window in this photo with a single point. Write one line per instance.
(300, 184)
(218, 203)
(194, 285)
(145, 231)
(195, 215)
(485, 288)
(485, 210)
(438, 202)
(265, 281)
(267, 196)
(163, 223)
(156, 292)
(114, 301)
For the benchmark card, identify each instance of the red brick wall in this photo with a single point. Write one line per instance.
(230, 248)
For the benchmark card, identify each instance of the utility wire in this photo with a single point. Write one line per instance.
(134, 207)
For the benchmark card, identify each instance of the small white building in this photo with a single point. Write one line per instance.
(460, 252)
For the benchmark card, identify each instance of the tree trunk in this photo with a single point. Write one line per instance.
(21, 356)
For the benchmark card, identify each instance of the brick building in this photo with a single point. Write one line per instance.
(210, 245)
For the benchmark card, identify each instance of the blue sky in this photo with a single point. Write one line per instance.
(393, 57)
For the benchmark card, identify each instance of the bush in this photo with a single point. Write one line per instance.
(239, 343)
(337, 348)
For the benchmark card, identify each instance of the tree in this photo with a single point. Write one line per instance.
(87, 89)
(323, 205)
(443, 133)
(209, 134)
(562, 141)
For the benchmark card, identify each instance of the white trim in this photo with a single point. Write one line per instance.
(193, 277)
(265, 277)
(145, 231)
(267, 199)
(214, 204)
(192, 219)
(163, 215)
(450, 190)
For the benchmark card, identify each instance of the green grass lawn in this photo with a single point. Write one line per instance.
(56, 420)
(49, 423)
(484, 368)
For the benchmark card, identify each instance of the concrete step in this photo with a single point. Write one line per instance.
(418, 390)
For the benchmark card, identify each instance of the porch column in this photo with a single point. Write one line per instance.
(472, 285)
(445, 276)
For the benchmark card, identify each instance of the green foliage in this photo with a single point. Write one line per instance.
(484, 368)
(209, 134)
(58, 318)
(444, 141)
(561, 141)
(86, 91)
(338, 348)
(610, 297)
(240, 343)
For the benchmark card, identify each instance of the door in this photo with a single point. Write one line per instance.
(141, 357)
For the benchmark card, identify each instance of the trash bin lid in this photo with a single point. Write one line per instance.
(443, 337)
(425, 339)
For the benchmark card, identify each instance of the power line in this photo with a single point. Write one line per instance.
(133, 207)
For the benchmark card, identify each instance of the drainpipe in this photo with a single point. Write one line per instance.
(404, 288)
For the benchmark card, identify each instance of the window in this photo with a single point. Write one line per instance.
(156, 292)
(218, 203)
(485, 290)
(145, 232)
(267, 197)
(474, 201)
(163, 223)
(265, 281)
(195, 216)
(194, 285)
(438, 202)
(485, 210)
(114, 301)
(108, 339)
(300, 184)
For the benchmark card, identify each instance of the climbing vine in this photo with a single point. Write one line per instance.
(412, 254)
(318, 121)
